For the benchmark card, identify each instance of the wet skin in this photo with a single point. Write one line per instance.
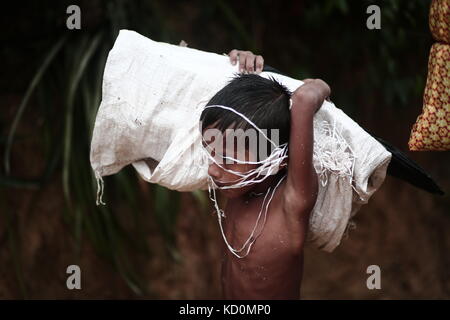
(273, 269)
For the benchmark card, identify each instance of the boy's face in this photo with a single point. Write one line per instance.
(218, 148)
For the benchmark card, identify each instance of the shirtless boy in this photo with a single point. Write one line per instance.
(273, 267)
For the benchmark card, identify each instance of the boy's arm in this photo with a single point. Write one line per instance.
(301, 186)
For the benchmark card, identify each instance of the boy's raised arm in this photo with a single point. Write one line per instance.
(301, 186)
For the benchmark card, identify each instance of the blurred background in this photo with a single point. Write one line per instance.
(153, 243)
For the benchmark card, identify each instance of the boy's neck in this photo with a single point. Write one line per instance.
(271, 181)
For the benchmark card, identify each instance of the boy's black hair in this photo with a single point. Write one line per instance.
(264, 101)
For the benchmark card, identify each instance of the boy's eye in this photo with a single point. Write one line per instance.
(217, 156)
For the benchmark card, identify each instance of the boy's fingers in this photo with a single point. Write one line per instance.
(233, 56)
(250, 63)
(259, 62)
(242, 57)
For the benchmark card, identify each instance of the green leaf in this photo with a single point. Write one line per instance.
(74, 82)
(34, 83)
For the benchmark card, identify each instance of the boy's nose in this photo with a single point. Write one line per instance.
(214, 171)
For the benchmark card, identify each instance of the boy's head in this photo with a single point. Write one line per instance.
(264, 102)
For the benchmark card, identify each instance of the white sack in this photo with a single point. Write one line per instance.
(153, 95)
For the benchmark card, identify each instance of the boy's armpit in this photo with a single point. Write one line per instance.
(297, 210)
(297, 204)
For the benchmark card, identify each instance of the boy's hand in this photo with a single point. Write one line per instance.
(314, 91)
(248, 62)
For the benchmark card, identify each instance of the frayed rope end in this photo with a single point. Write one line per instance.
(100, 189)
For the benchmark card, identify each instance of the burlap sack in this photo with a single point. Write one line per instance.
(153, 94)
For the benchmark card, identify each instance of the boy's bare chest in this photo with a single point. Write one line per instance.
(271, 263)
(250, 222)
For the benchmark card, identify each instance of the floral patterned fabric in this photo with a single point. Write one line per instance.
(439, 19)
(432, 128)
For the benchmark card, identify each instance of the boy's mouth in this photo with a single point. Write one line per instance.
(220, 185)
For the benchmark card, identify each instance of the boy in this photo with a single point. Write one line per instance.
(272, 269)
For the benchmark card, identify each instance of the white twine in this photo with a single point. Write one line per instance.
(331, 153)
(100, 189)
(267, 167)
(251, 238)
